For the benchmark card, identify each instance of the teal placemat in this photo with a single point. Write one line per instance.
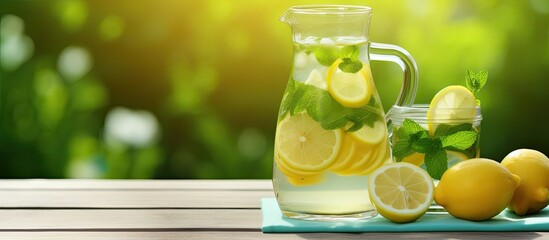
(273, 221)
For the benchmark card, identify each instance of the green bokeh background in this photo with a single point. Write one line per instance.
(197, 84)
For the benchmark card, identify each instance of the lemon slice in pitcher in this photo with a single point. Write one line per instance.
(371, 135)
(451, 103)
(401, 192)
(349, 89)
(303, 145)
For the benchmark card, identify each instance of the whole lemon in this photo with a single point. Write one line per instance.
(476, 189)
(532, 167)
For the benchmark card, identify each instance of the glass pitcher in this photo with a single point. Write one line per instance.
(331, 131)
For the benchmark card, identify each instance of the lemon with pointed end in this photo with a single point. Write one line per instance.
(477, 189)
(451, 103)
(351, 90)
(532, 167)
(303, 145)
(401, 192)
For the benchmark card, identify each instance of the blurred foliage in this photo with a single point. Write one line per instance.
(191, 89)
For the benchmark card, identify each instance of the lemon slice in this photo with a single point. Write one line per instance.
(345, 159)
(306, 180)
(304, 145)
(451, 103)
(383, 156)
(349, 89)
(419, 158)
(290, 172)
(415, 158)
(401, 192)
(369, 135)
(375, 157)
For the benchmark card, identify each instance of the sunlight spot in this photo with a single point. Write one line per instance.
(137, 128)
(11, 25)
(111, 27)
(72, 14)
(83, 168)
(221, 10)
(51, 96)
(15, 47)
(74, 62)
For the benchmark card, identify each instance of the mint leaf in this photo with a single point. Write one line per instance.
(460, 140)
(290, 100)
(321, 105)
(410, 127)
(326, 55)
(423, 145)
(446, 129)
(475, 81)
(436, 162)
(365, 115)
(402, 134)
(351, 52)
(402, 148)
(350, 66)
(335, 119)
(356, 126)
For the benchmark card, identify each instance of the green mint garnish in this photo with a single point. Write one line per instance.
(436, 163)
(460, 140)
(324, 109)
(350, 66)
(326, 55)
(475, 81)
(414, 138)
(351, 52)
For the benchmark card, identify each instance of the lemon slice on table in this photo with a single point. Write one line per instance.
(303, 145)
(401, 192)
(349, 89)
(451, 103)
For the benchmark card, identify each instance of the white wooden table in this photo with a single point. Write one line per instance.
(160, 209)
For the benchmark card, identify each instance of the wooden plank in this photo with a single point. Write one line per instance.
(132, 199)
(124, 220)
(208, 235)
(94, 184)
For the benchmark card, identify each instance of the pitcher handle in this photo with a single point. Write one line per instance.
(398, 55)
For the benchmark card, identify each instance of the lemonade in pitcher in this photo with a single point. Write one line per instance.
(331, 131)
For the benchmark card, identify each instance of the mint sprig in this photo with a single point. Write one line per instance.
(414, 138)
(327, 55)
(324, 109)
(475, 81)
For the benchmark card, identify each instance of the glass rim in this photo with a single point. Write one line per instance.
(418, 113)
(331, 9)
(425, 107)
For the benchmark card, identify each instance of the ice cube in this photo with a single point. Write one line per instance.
(316, 79)
(327, 41)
